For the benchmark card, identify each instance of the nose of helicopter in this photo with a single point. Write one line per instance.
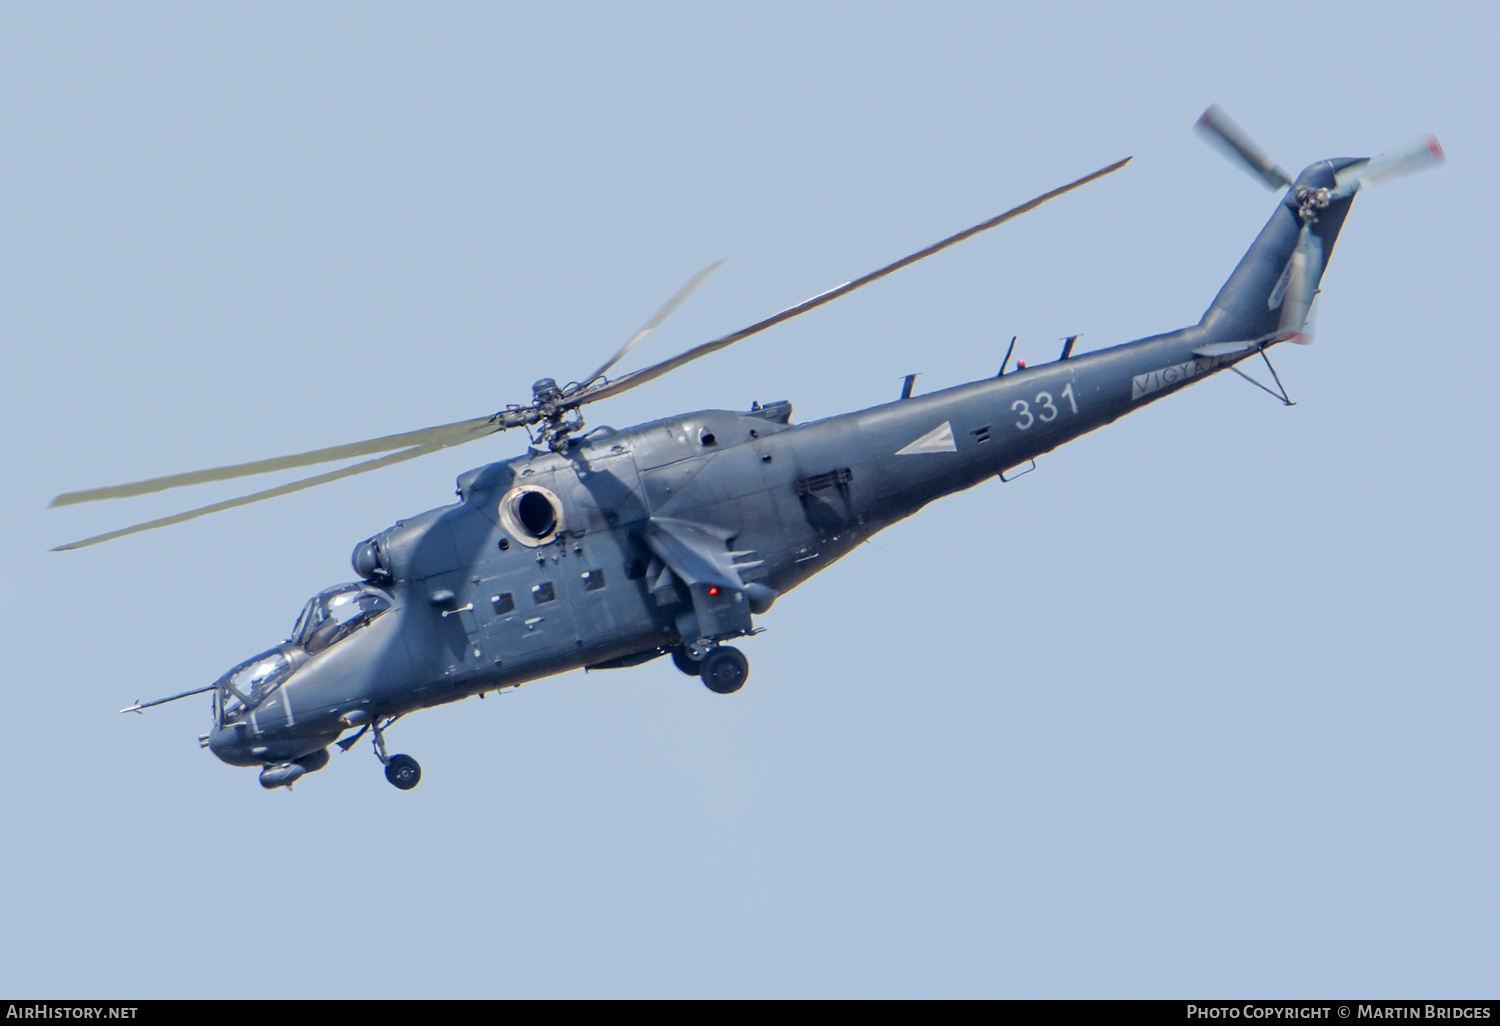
(287, 703)
(230, 744)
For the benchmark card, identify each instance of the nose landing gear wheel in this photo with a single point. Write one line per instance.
(403, 771)
(724, 670)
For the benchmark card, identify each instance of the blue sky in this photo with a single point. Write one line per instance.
(1204, 706)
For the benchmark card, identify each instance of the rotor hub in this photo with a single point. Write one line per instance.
(1310, 201)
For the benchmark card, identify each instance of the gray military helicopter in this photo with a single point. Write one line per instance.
(605, 549)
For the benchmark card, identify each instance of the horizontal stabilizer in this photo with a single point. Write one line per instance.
(1227, 348)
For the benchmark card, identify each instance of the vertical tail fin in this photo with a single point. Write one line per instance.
(1271, 291)
(1250, 303)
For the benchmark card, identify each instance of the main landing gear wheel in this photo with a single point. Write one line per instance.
(403, 771)
(724, 670)
(686, 663)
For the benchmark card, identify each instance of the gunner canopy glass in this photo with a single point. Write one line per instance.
(253, 680)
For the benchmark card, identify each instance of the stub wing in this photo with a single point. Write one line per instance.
(697, 553)
(699, 556)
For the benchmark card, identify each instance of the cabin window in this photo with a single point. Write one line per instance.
(593, 580)
(544, 592)
(504, 603)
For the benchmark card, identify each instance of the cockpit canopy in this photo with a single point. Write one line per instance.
(335, 613)
(329, 617)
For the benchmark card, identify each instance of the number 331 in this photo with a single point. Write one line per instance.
(1046, 412)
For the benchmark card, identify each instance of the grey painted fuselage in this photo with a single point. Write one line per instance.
(669, 532)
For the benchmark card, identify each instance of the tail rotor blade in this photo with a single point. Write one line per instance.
(1405, 160)
(1302, 286)
(1220, 129)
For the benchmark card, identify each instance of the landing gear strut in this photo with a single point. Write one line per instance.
(724, 670)
(401, 770)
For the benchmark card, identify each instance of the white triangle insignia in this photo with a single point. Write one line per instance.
(939, 439)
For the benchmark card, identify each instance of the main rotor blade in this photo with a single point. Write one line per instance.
(640, 377)
(668, 307)
(269, 493)
(441, 436)
(1219, 128)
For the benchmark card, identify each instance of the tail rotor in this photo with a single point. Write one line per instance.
(1299, 284)
(1303, 274)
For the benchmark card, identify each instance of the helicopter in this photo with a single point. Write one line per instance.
(606, 549)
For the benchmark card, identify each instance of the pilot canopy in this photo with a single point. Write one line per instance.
(335, 613)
